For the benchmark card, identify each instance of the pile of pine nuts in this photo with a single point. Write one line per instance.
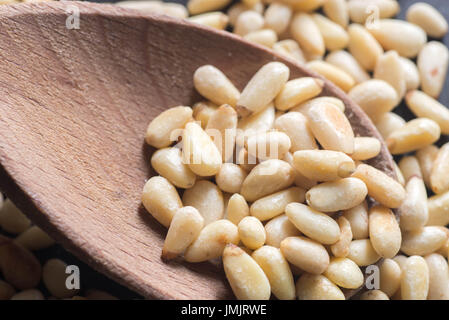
(281, 198)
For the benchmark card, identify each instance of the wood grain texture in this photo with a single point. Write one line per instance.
(74, 106)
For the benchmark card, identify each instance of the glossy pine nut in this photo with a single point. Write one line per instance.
(222, 127)
(411, 74)
(337, 11)
(404, 37)
(423, 241)
(314, 224)
(365, 148)
(252, 233)
(278, 229)
(199, 151)
(277, 270)
(7, 291)
(317, 287)
(168, 163)
(423, 105)
(273, 205)
(54, 277)
(413, 211)
(374, 295)
(184, 229)
(433, 62)
(340, 249)
(175, 10)
(331, 128)
(305, 107)
(388, 122)
(257, 123)
(161, 128)
(264, 37)
(438, 176)
(263, 87)
(247, 22)
(291, 49)
(414, 135)
(409, 167)
(277, 17)
(438, 277)
(362, 253)
(202, 111)
(438, 209)
(300, 180)
(337, 195)
(230, 177)
(216, 20)
(363, 46)
(375, 97)
(268, 145)
(346, 62)
(266, 178)
(161, 199)
(246, 277)
(426, 158)
(344, 273)
(34, 239)
(296, 126)
(381, 187)
(415, 279)
(385, 235)
(30, 294)
(359, 10)
(237, 209)
(200, 6)
(12, 220)
(338, 76)
(305, 254)
(211, 241)
(389, 69)
(390, 276)
(305, 31)
(358, 219)
(207, 198)
(428, 18)
(335, 36)
(298, 91)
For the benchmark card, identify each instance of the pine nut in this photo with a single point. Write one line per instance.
(411, 74)
(338, 76)
(34, 239)
(344, 273)
(31, 294)
(277, 270)
(362, 253)
(161, 199)
(174, 10)
(423, 241)
(409, 167)
(252, 233)
(216, 20)
(238, 8)
(398, 173)
(305, 107)
(433, 62)
(388, 122)
(278, 229)
(317, 287)
(246, 277)
(414, 135)
(54, 278)
(200, 6)
(255, 124)
(222, 127)
(184, 229)
(438, 277)
(247, 22)
(207, 198)
(426, 158)
(365, 148)
(298, 91)
(306, 254)
(307, 34)
(268, 145)
(335, 36)
(358, 219)
(6, 290)
(12, 220)
(263, 87)
(300, 180)
(237, 209)
(211, 241)
(297, 128)
(314, 224)
(390, 69)
(413, 211)
(440, 171)
(340, 249)
(359, 10)
(202, 111)
(337, 11)
(428, 18)
(230, 177)
(444, 249)
(390, 277)
(264, 37)
(438, 209)
(374, 295)
(277, 17)
(291, 49)
(160, 129)
(415, 279)
(385, 235)
(363, 46)
(346, 62)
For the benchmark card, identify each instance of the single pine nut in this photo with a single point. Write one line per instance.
(438, 209)
(255, 124)
(277, 17)
(358, 219)
(390, 276)
(362, 253)
(273, 205)
(30, 294)
(291, 49)
(305, 107)
(230, 177)
(340, 249)
(300, 180)
(331, 128)
(247, 22)
(277, 270)
(433, 62)
(404, 37)
(222, 127)
(398, 173)
(438, 176)
(346, 62)
(337, 195)
(365, 148)
(237, 209)
(213, 84)
(381, 187)
(385, 235)
(161, 199)
(12, 220)
(266, 178)
(246, 277)
(360, 10)
(263, 87)
(414, 135)
(423, 241)
(415, 279)
(374, 295)
(426, 157)
(211, 241)
(34, 239)
(344, 273)
(268, 145)
(296, 127)
(160, 130)
(411, 74)
(314, 224)
(438, 277)
(409, 167)
(7, 291)
(338, 76)
(335, 36)
(175, 10)
(298, 91)
(389, 122)
(264, 37)
(202, 111)
(363, 46)
(337, 11)
(207, 198)
(238, 8)
(413, 211)
(184, 229)
(216, 20)
(306, 32)
(390, 69)
(317, 287)
(200, 6)
(252, 233)
(54, 277)
(428, 18)
(306, 254)
(278, 229)
(375, 97)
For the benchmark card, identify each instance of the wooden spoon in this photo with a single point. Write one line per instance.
(74, 106)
